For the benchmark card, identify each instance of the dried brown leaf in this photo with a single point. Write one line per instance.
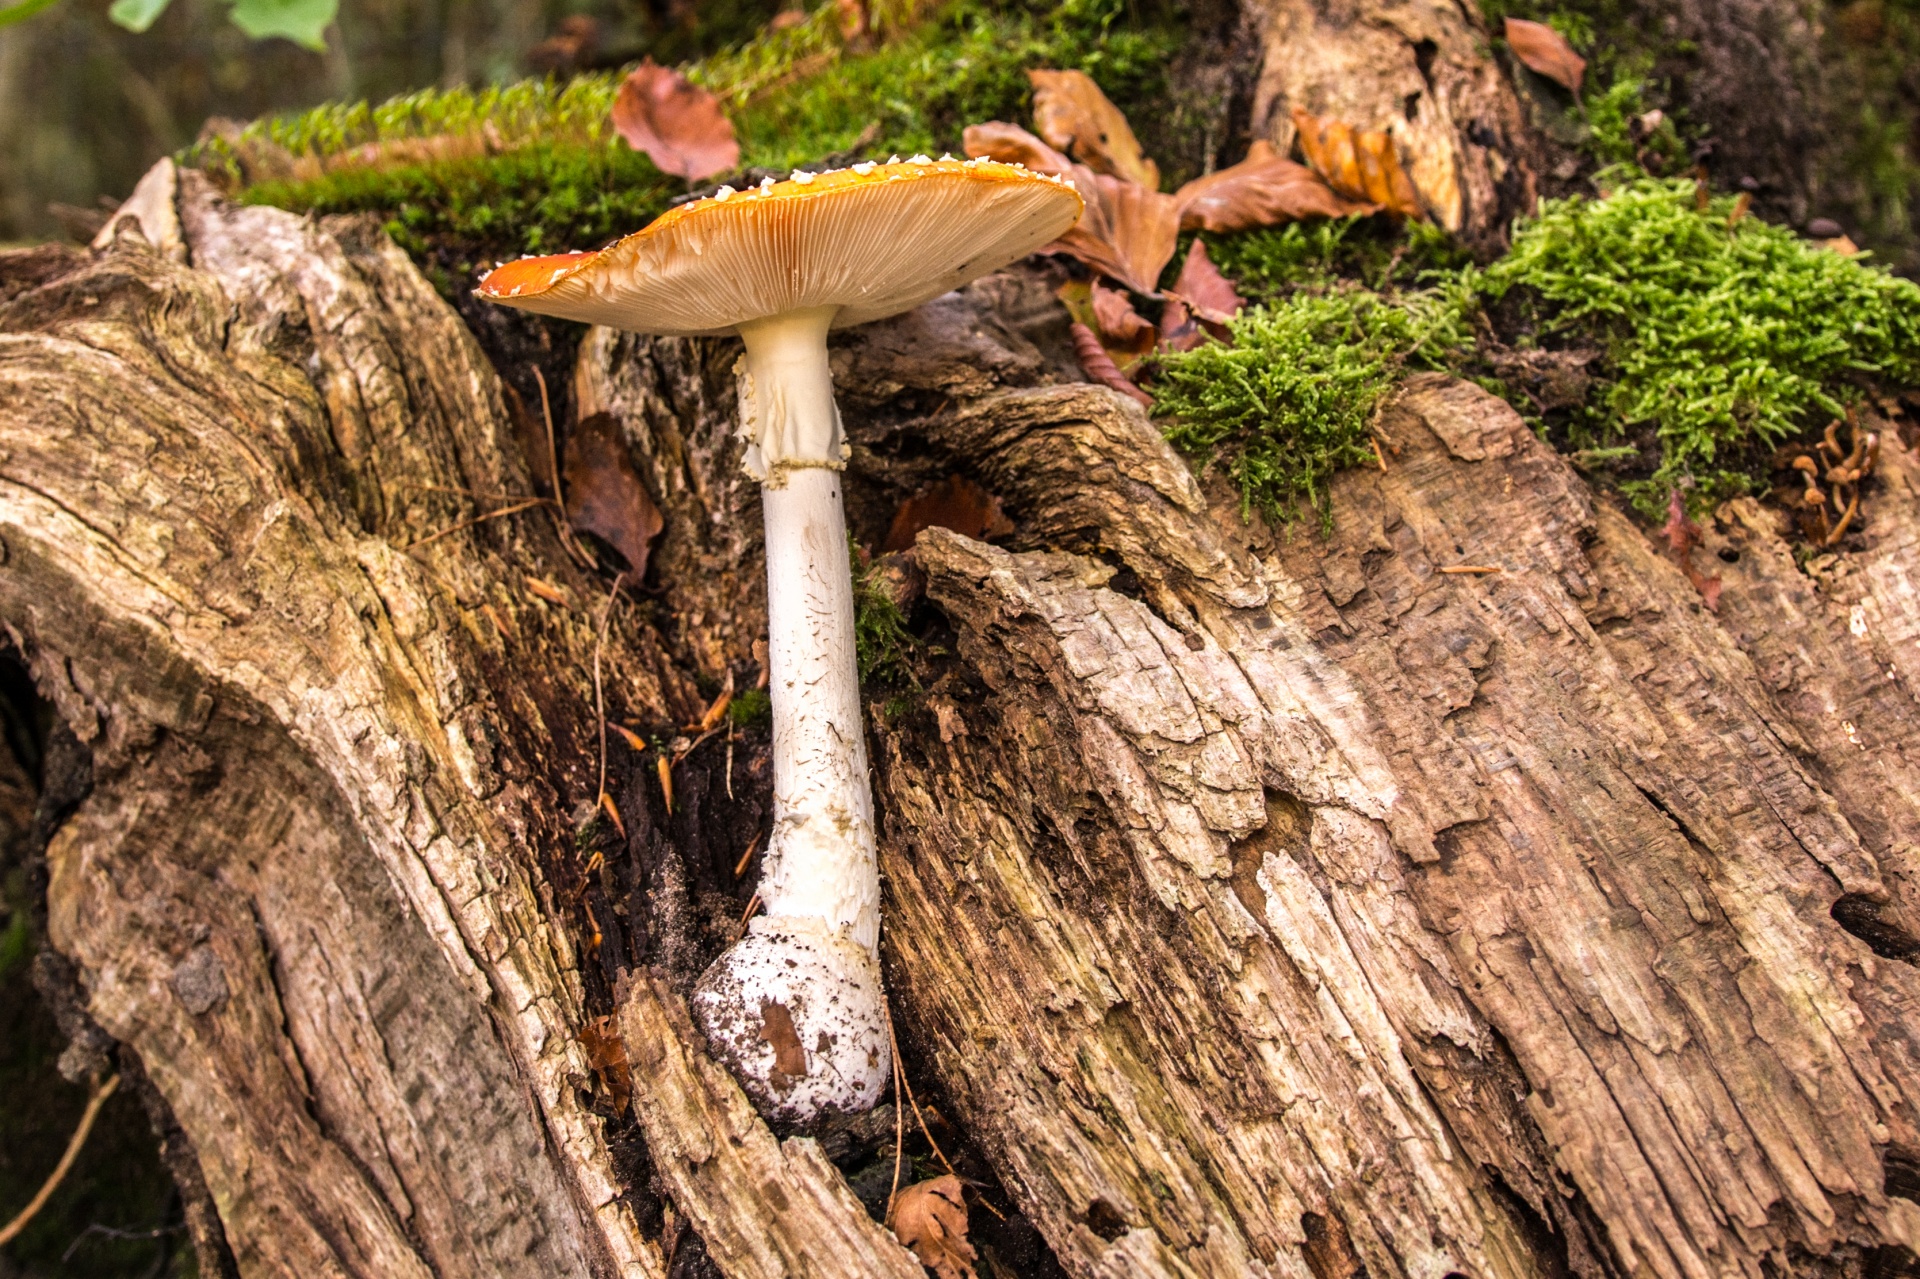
(604, 494)
(678, 124)
(1179, 331)
(1127, 232)
(1262, 190)
(1073, 115)
(607, 1058)
(930, 1217)
(1118, 324)
(1010, 144)
(1547, 52)
(634, 741)
(955, 503)
(1204, 291)
(1099, 366)
(1359, 164)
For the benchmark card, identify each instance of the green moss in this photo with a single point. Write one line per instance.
(750, 708)
(796, 95)
(1724, 338)
(1381, 253)
(880, 635)
(1288, 404)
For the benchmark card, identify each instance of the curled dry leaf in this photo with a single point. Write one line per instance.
(955, 503)
(1262, 190)
(930, 1217)
(1547, 52)
(1127, 232)
(1011, 144)
(607, 1057)
(1073, 115)
(1118, 324)
(604, 494)
(678, 124)
(1359, 164)
(1124, 334)
(1207, 293)
(1099, 366)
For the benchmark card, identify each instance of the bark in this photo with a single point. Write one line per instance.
(1257, 902)
(1421, 73)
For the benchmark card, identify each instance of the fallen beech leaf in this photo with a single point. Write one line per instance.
(930, 1217)
(1179, 331)
(1546, 51)
(678, 124)
(955, 503)
(1114, 318)
(604, 494)
(607, 1057)
(1683, 535)
(1362, 165)
(1011, 144)
(789, 1055)
(1203, 290)
(1262, 190)
(1105, 312)
(1127, 232)
(1099, 366)
(1072, 114)
(1843, 245)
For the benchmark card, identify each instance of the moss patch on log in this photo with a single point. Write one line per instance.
(1719, 337)
(534, 167)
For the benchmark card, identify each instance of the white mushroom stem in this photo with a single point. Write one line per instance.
(796, 1007)
(820, 859)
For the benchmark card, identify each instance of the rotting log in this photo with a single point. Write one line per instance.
(1419, 72)
(1257, 901)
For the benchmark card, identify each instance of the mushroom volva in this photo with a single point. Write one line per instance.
(795, 1007)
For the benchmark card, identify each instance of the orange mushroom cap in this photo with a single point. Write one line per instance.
(873, 240)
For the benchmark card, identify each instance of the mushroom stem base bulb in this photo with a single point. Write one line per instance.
(794, 1009)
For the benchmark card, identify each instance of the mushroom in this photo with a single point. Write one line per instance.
(795, 1007)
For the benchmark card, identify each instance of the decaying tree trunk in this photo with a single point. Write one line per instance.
(1453, 893)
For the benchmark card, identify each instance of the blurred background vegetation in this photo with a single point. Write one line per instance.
(85, 106)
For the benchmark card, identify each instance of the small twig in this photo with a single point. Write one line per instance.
(1378, 456)
(478, 519)
(753, 904)
(158, 1232)
(599, 702)
(729, 760)
(1471, 568)
(740, 867)
(922, 1119)
(13, 1228)
(553, 471)
(899, 1118)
